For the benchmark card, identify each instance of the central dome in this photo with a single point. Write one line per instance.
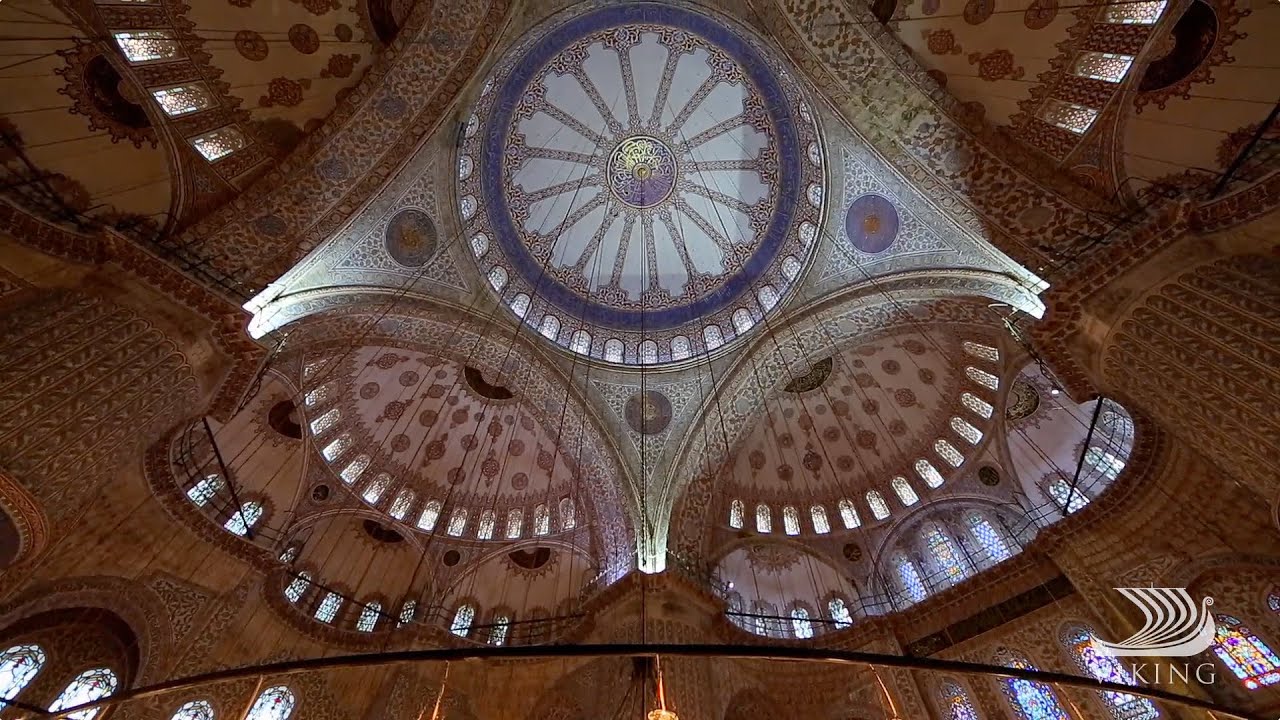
(641, 183)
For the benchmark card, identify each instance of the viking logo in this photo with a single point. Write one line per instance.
(1175, 626)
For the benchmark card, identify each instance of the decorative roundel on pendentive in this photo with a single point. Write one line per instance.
(1023, 400)
(988, 476)
(641, 182)
(411, 237)
(648, 412)
(871, 222)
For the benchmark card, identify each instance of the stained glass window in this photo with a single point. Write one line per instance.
(352, 472)
(457, 521)
(335, 449)
(498, 633)
(742, 320)
(541, 520)
(430, 514)
(376, 487)
(240, 522)
(790, 521)
(480, 246)
(1031, 700)
(764, 521)
(1059, 489)
(18, 665)
(1247, 656)
(712, 336)
(965, 430)
(839, 611)
(800, 623)
(86, 687)
(328, 608)
(818, 514)
(944, 552)
(498, 277)
(515, 523)
(183, 99)
(407, 611)
(1068, 116)
(217, 144)
(567, 521)
(955, 703)
(369, 617)
(1108, 67)
(976, 405)
(986, 352)
(400, 506)
(989, 539)
(1134, 13)
(462, 620)
(735, 514)
(488, 523)
(680, 348)
(298, 585)
(849, 514)
(147, 45)
(290, 553)
(1273, 601)
(520, 305)
(324, 422)
(275, 703)
(1103, 666)
(982, 377)
(1106, 463)
(909, 579)
(879, 508)
(194, 710)
(204, 491)
(928, 472)
(613, 350)
(550, 327)
(904, 491)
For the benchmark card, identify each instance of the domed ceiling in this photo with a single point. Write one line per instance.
(641, 183)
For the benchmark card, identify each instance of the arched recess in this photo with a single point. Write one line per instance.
(325, 324)
(24, 533)
(766, 580)
(73, 640)
(792, 347)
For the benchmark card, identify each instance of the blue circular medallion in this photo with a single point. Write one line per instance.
(871, 223)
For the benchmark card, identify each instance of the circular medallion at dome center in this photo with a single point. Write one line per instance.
(642, 171)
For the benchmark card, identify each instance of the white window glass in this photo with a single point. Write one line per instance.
(498, 278)
(541, 520)
(948, 452)
(976, 405)
(147, 45)
(335, 449)
(800, 623)
(904, 491)
(520, 305)
(735, 514)
(407, 611)
(515, 523)
(648, 352)
(18, 665)
(909, 579)
(791, 267)
(240, 522)
(329, 607)
(1068, 116)
(879, 508)
(1106, 463)
(567, 521)
(712, 336)
(457, 521)
(369, 617)
(217, 144)
(430, 514)
(680, 348)
(293, 591)
(839, 611)
(580, 342)
(86, 687)
(768, 297)
(202, 492)
(461, 625)
(989, 539)
(400, 506)
(317, 396)
(468, 206)
(479, 244)
(324, 422)
(377, 486)
(194, 710)
(944, 552)
(790, 521)
(986, 352)
(982, 377)
(487, 526)
(742, 320)
(1059, 490)
(183, 99)
(849, 514)
(818, 515)
(550, 327)
(1108, 67)
(352, 472)
(764, 520)
(275, 703)
(613, 350)
(965, 430)
(1134, 13)
(498, 633)
(289, 555)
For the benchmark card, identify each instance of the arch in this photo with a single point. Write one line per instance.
(1078, 640)
(24, 528)
(274, 703)
(92, 684)
(1246, 655)
(954, 701)
(19, 665)
(1028, 699)
(194, 710)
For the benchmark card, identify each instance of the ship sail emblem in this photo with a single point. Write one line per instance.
(1176, 626)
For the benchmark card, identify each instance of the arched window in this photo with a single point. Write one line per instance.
(328, 608)
(1060, 489)
(976, 405)
(335, 449)
(839, 611)
(613, 350)
(275, 703)
(955, 703)
(369, 617)
(909, 579)
(735, 514)
(764, 520)
(986, 352)
(400, 506)
(903, 490)
(1031, 700)
(580, 342)
(407, 611)
(680, 347)
(742, 320)
(498, 633)
(944, 553)
(220, 142)
(567, 521)
(648, 352)
(818, 514)
(989, 539)
(488, 522)
(462, 620)
(195, 710)
(879, 508)
(1106, 463)
(293, 591)
(965, 430)
(1102, 666)
(790, 520)
(982, 377)
(550, 327)
(317, 395)
(849, 514)
(515, 523)
(457, 521)
(324, 422)
(712, 336)
(800, 623)
(243, 519)
(768, 297)
(289, 555)
(203, 491)
(430, 514)
(520, 305)
(1245, 654)
(184, 99)
(18, 666)
(541, 520)
(376, 487)
(498, 278)
(352, 472)
(928, 473)
(948, 452)
(1134, 13)
(791, 267)
(86, 687)
(480, 244)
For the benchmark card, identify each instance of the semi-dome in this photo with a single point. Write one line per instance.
(641, 183)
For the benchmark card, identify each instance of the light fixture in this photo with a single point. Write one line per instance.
(661, 712)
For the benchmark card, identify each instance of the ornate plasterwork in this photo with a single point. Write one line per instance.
(652, 452)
